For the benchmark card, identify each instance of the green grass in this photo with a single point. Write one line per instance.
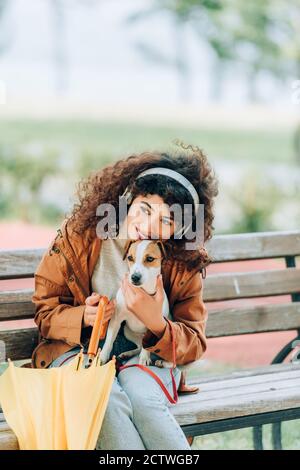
(241, 439)
(119, 139)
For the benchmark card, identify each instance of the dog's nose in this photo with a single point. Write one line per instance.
(136, 277)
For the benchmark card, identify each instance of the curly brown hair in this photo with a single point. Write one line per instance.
(107, 184)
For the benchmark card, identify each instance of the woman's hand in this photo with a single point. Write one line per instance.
(147, 308)
(91, 309)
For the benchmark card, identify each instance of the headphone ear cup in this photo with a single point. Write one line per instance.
(127, 194)
(129, 197)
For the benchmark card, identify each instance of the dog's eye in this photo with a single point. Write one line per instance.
(149, 259)
(130, 258)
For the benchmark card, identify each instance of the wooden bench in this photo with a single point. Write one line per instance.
(253, 397)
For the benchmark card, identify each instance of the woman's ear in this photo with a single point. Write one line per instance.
(126, 248)
(162, 248)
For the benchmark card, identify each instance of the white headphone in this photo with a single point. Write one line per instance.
(176, 176)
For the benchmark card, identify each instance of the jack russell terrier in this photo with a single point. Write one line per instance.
(144, 259)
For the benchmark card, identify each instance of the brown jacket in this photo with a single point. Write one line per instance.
(63, 281)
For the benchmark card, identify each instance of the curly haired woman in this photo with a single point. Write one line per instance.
(79, 265)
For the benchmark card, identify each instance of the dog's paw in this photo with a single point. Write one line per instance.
(161, 363)
(123, 356)
(145, 359)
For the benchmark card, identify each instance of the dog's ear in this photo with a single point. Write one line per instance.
(162, 248)
(127, 246)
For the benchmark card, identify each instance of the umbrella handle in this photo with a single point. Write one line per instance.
(97, 328)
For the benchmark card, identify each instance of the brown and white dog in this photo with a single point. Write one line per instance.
(144, 258)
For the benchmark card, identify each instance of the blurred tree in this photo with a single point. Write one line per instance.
(21, 178)
(257, 203)
(60, 56)
(261, 36)
(58, 14)
(234, 30)
(5, 34)
(181, 13)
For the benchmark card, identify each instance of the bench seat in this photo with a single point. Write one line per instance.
(231, 401)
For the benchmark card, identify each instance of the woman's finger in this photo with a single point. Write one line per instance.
(92, 299)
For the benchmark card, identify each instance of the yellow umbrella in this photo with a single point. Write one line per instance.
(59, 408)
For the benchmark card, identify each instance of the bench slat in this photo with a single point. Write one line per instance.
(231, 407)
(225, 322)
(236, 385)
(16, 305)
(19, 343)
(246, 246)
(254, 284)
(268, 389)
(237, 247)
(217, 287)
(270, 395)
(19, 264)
(253, 319)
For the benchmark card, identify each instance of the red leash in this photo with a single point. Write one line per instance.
(158, 380)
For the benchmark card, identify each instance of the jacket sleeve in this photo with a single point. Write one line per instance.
(189, 319)
(55, 314)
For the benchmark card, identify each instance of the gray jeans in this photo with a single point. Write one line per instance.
(138, 413)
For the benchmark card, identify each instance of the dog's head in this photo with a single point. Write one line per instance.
(144, 258)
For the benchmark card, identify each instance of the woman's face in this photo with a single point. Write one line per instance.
(149, 217)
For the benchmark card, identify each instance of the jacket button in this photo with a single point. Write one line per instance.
(157, 350)
(43, 363)
(71, 278)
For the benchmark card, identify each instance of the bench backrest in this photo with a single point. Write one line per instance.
(245, 317)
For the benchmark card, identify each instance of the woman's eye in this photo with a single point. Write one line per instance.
(144, 209)
(130, 258)
(167, 222)
(149, 259)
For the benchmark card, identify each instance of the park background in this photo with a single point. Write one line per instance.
(84, 83)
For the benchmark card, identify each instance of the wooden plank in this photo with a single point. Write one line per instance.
(231, 407)
(268, 389)
(23, 263)
(19, 343)
(3, 424)
(252, 372)
(253, 319)
(16, 305)
(249, 389)
(8, 441)
(253, 383)
(246, 246)
(19, 263)
(225, 322)
(250, 398)
(254, 284)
